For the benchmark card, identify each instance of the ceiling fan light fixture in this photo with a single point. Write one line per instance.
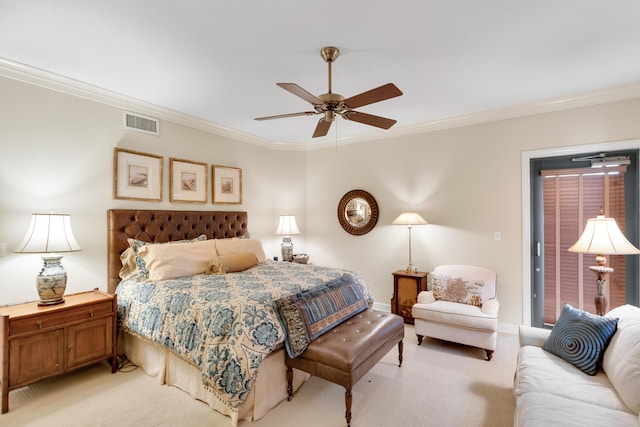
(329, 104)
(329, 115)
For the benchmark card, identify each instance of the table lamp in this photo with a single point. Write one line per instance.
(286, 227)
(410, 219)
(50, 234)
(601, 236)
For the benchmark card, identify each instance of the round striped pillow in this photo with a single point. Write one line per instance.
(580, 338)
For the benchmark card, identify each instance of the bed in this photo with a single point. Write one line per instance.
(235, 365)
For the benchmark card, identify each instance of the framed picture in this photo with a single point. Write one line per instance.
(188, 181)
(137, 176)
(227, 184)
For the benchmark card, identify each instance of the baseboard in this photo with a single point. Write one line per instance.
(381, 306)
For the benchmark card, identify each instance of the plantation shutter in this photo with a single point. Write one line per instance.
(571, 197)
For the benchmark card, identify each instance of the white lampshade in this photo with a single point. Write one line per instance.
(287, 226)
(49, 233)
(602, 236)
(409, 218)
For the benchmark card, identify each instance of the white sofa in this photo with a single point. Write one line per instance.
(552, 392)
(472, 325)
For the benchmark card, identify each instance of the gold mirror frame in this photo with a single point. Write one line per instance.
(371, 214)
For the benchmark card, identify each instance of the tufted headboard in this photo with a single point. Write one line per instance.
(164, 226)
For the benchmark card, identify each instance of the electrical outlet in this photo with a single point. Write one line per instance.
(497, 235)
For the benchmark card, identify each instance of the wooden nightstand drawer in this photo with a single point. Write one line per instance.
(47, 320)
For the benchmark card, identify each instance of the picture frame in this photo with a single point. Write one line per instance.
(188, 181)
(227, 184)
(137, 175)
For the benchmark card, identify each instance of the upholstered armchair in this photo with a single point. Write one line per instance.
(460, 306)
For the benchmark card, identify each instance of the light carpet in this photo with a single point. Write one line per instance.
(439, 384)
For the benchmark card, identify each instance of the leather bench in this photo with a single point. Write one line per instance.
(345, 353)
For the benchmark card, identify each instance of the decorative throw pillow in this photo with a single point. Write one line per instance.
(457, 289)
(141, 266)
(223, 264)
(312, 312)
(129, 266)
(580, 338)
(237, 245)
(166, 262)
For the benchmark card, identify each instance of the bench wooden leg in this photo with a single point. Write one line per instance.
(420, 338)
(489, 354)
(400, 348)
(347, 401)
(289, 382)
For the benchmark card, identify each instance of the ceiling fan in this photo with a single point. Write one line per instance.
(330, 104)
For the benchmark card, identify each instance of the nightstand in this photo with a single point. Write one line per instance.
(406, 287)
(38, 342)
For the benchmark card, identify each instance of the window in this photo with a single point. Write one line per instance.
(571, 196)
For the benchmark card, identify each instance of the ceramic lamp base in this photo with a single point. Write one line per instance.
(52, 281)
(287, 249)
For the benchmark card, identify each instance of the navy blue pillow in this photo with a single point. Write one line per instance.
(580, 338)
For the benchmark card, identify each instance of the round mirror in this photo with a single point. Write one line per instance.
(357, 212)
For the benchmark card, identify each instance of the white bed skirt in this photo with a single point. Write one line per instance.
(269, 390)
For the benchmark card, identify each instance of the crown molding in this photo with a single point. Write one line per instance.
(59, 83)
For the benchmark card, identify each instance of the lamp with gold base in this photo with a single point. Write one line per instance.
(601, 236)
(410, 219)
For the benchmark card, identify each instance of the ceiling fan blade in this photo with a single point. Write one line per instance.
(369, 119)
(298, 91)
(374, 95)
(322, 128)
(282, 116)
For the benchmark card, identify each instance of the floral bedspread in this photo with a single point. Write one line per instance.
(223, 324)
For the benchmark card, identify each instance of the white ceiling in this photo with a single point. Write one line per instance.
(219, 61)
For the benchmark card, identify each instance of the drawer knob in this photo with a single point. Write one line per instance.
(39, 323)
(90, 313)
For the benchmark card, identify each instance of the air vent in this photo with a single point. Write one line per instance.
(140, 123)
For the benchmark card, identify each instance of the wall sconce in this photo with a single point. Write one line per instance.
(410, 219)
(50, 234)
(287, 227)
(601, 236)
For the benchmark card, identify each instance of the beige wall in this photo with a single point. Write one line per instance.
(466, 182)
(57, 154)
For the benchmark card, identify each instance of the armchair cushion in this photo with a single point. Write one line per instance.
(455, 314)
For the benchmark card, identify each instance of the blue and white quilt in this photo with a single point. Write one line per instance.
(223, 324)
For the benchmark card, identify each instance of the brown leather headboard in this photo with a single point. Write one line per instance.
(164, 226)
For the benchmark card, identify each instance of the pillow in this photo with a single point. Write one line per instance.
(141, 267)
(456, 289)
(621, 360)
(580, 338)
(238, 245)
(129, 266)
(223, 264)
(165, 262)
(312, 312)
